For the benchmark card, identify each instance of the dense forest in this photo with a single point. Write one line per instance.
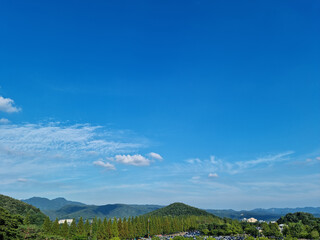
(17, 222)
(17, 227)
(16, 207)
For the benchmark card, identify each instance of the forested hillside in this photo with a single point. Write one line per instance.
(14, 206)
(179, 209)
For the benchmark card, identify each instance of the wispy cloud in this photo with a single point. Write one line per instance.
(156, 156)
(105, 165)
(213, 175)
(7, 105)
(22, 180)
(135, 160)
(56, 139)
(37, 149)
(193, 160)
(240, 166)
(4, 121)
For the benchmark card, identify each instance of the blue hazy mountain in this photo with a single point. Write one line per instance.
(47, 204)
(270, 214)
(62, 208)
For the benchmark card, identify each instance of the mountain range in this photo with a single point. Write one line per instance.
(62, 208)
(270, 214)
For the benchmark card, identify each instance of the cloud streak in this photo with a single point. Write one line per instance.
(135, 160)
(55, 139)
(240, 166)
(105, 165)
(4, 121)
(213, 175)
(44, 148)
(155, 156)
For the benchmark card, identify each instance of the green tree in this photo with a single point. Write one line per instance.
(314, 234)
(27, 220)
(65, 229)
(73, 228)
(274, 230)
(46, 227)
(55, 230)
(80, 228)
(87, 228)
(115, 232)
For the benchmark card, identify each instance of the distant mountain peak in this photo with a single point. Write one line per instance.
(47, 204)
(179, 209)
(60, 198)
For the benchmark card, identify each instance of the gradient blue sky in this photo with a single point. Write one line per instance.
(211, 103)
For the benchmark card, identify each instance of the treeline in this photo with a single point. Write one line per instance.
(131, 228)
(144, 226)
(300, 225)
(18, 227)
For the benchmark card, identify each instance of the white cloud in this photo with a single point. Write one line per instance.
(264, 160)
(318, 158)
(70, 141)
(214, 164)
(240, 166)
(135, 160)
(155, 156)
(195, 178)
(39, 149)
(4, 121)
(213, 175)
(193, 160)
(106, 165)
(22, 180)
(7, 105)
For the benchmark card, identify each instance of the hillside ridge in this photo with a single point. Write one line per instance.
(14, 206)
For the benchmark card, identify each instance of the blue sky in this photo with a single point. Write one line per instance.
(211, 103)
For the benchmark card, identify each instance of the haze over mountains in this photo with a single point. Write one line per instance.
(62, 208)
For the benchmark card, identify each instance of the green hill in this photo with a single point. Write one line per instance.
(179, 209)
(108, 211)
(14, 206)
(305, 218)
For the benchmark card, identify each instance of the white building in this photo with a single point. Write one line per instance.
(69, 221)
(252, 220)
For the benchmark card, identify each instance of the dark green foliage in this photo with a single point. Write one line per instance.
(305, 218)
(55, 229)
(87, 228)
(64, 229)
(46, 227)
(9, 225)
(300, 225)
(73, 228)
(13, 206)
(80, 227)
